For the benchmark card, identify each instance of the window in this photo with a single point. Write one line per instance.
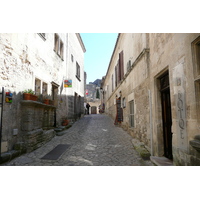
(77, 71)
(131, 104)
(124, 102)
(121, 65)
(40, 87)
(196, 56)
(44, 88)
(37, 86)
(56, 43)
(115, 76)
(58, 46)
(72, 58)
(119, 69)
(61, 49)
(196, 63)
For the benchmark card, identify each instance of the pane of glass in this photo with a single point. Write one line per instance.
(44, 88)
(37, 86)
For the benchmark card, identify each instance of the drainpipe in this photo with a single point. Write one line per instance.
(150, 117)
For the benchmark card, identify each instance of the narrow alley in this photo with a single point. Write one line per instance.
(92, 141)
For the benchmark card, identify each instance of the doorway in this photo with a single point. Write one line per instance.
(75, 106)
(166, 115)
(54, 92)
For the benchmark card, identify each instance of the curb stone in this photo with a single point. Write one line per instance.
(140, 148)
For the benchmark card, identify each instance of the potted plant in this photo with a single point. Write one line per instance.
(47, 99)
(65, 122)
(29, 95)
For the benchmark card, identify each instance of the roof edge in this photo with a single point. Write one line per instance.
(81, 42)
(113, 54)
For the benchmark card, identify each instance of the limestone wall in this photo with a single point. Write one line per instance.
(152, 55)
(134, 85)
(27, 57)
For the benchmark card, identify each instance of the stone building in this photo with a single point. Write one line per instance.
(93, 95)
(151, 89)
(51, 65)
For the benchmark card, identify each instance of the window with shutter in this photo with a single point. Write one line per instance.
(56, 43)
(121, 64)
(61, 49)
(115, 76)
(77, 71)
(58, 46)
(118, 73)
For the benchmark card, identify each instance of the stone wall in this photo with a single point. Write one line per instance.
(37, 122)
(36, 138)
(151, 56)
(25, 57)
(133, 86)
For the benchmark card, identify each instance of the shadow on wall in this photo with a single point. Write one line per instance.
(29, 120)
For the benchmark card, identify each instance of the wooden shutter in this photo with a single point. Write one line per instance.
(115, 76)
(121, 64)
(118, 72)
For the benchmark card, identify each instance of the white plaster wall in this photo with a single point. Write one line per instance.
(26, 56)
(30, 57)
(76, 50)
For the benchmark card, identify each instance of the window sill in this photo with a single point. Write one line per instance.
(42, 36)
(78, 78)
(58, 55)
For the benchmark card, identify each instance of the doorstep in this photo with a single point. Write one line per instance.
(161, 161)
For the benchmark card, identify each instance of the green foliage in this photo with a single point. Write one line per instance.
(97, 94)
(29, 91)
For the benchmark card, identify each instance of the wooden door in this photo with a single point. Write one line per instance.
(166, 116)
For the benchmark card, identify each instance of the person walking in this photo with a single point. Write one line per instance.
(88, 107)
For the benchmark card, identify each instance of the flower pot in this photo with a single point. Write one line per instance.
(27, 96)
(34, 97)
(65, 122)
(46, 101)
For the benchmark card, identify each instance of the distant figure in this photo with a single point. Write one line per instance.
(88, 107)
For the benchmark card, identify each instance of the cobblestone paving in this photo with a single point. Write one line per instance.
(94, 141)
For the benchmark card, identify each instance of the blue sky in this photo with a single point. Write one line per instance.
(99, 49)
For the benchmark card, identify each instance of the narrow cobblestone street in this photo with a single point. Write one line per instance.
(93, 141)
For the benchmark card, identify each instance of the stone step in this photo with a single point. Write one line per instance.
(61, 130)
(58, 129)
